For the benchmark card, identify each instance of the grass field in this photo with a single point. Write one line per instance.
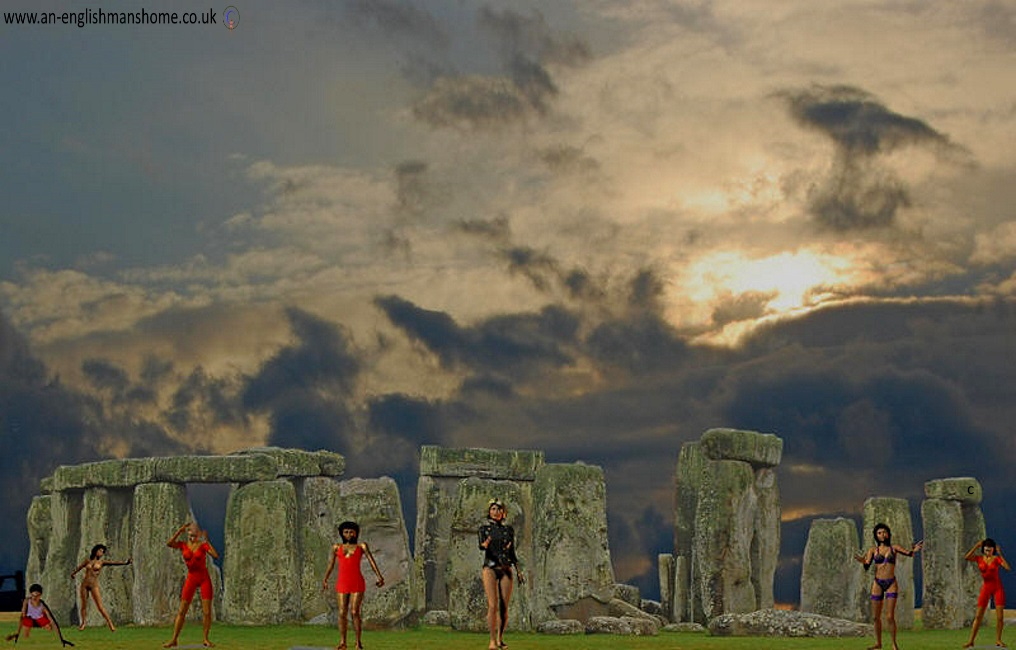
(282, 637)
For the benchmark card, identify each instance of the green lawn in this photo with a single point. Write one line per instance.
(282, 637)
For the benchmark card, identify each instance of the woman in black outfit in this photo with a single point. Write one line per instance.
(497, 541)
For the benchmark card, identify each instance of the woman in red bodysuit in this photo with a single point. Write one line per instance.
(194, 551)
(989, 562)
(349, 582)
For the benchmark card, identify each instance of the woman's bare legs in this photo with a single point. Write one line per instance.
(505, 585)
(490, 588)
(876, 618)
(206, 621)
(890, 618)
(999, 624)
(102, 610)
(83, 610)
(355, 604)
(343, 602)
(181, 615)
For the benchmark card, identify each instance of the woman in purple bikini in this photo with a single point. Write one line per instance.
(885, 588)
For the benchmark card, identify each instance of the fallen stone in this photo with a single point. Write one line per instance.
(777, 622)
(622, 626)
(685, 627)
(628, 593)
(437, 618)
(561, 627)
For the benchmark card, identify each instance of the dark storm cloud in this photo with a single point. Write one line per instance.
(398, 19)
(744, 306)
(305, 387)
(524, 46)
(321, 359)
(415, 191)
(397, 414)
(497, 229)
(202, 401)
(106, 376)
(859, 193)
(641, 344)
(568, 160)
(514, 344)
(529, 36)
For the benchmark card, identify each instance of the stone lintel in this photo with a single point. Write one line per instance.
(104, 473)
(964, 489)
(298, 462)
(505, 464)
(759, 449)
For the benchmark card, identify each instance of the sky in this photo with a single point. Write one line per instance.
(595, 228)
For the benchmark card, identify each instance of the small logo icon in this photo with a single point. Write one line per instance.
(230, 17)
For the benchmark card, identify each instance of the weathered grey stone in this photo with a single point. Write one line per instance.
(687, 605)
(775, 622)
(46, 485)
(974, 530)
(300, 463)
(895, 513)
(106, 473)
(964, 489)
(65, 509)
(375, 505)
(832, 583)
(106, 519)
(665, 573)
(435, 501)
(622, 626)
(571, 552)
(40, 532)
(628, 593)
(943, 602)
(506, 464)
(653, 607)
(319, 514)
(158, 510)
(466, 599)
(437, 618)
(685, 627)
(758, 449)
(561, 627)
(622, 608)
(216, 469)
(722, 549)
(765, 542)
(263, 586)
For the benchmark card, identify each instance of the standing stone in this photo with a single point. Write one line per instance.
(690, 467)
(466, 599)
(374, 504)
(40, 532)
(953, 522)
(433, 536)
(106, 519)
(943, 602)
(61, 559)
(765, 544)
(159, 509)
(262, 574)
(571, 553)
(895, 513)
(665, 569)
(722, 543)
(319, 515)
(832, 581)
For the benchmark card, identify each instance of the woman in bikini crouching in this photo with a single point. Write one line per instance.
(885, 588)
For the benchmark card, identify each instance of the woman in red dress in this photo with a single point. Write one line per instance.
(349, 583)
(194, 551)
(989, 562)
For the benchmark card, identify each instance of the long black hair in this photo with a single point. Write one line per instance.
(95, 550)
(888, 534)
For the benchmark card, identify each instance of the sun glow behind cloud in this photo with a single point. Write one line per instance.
(781, 284)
